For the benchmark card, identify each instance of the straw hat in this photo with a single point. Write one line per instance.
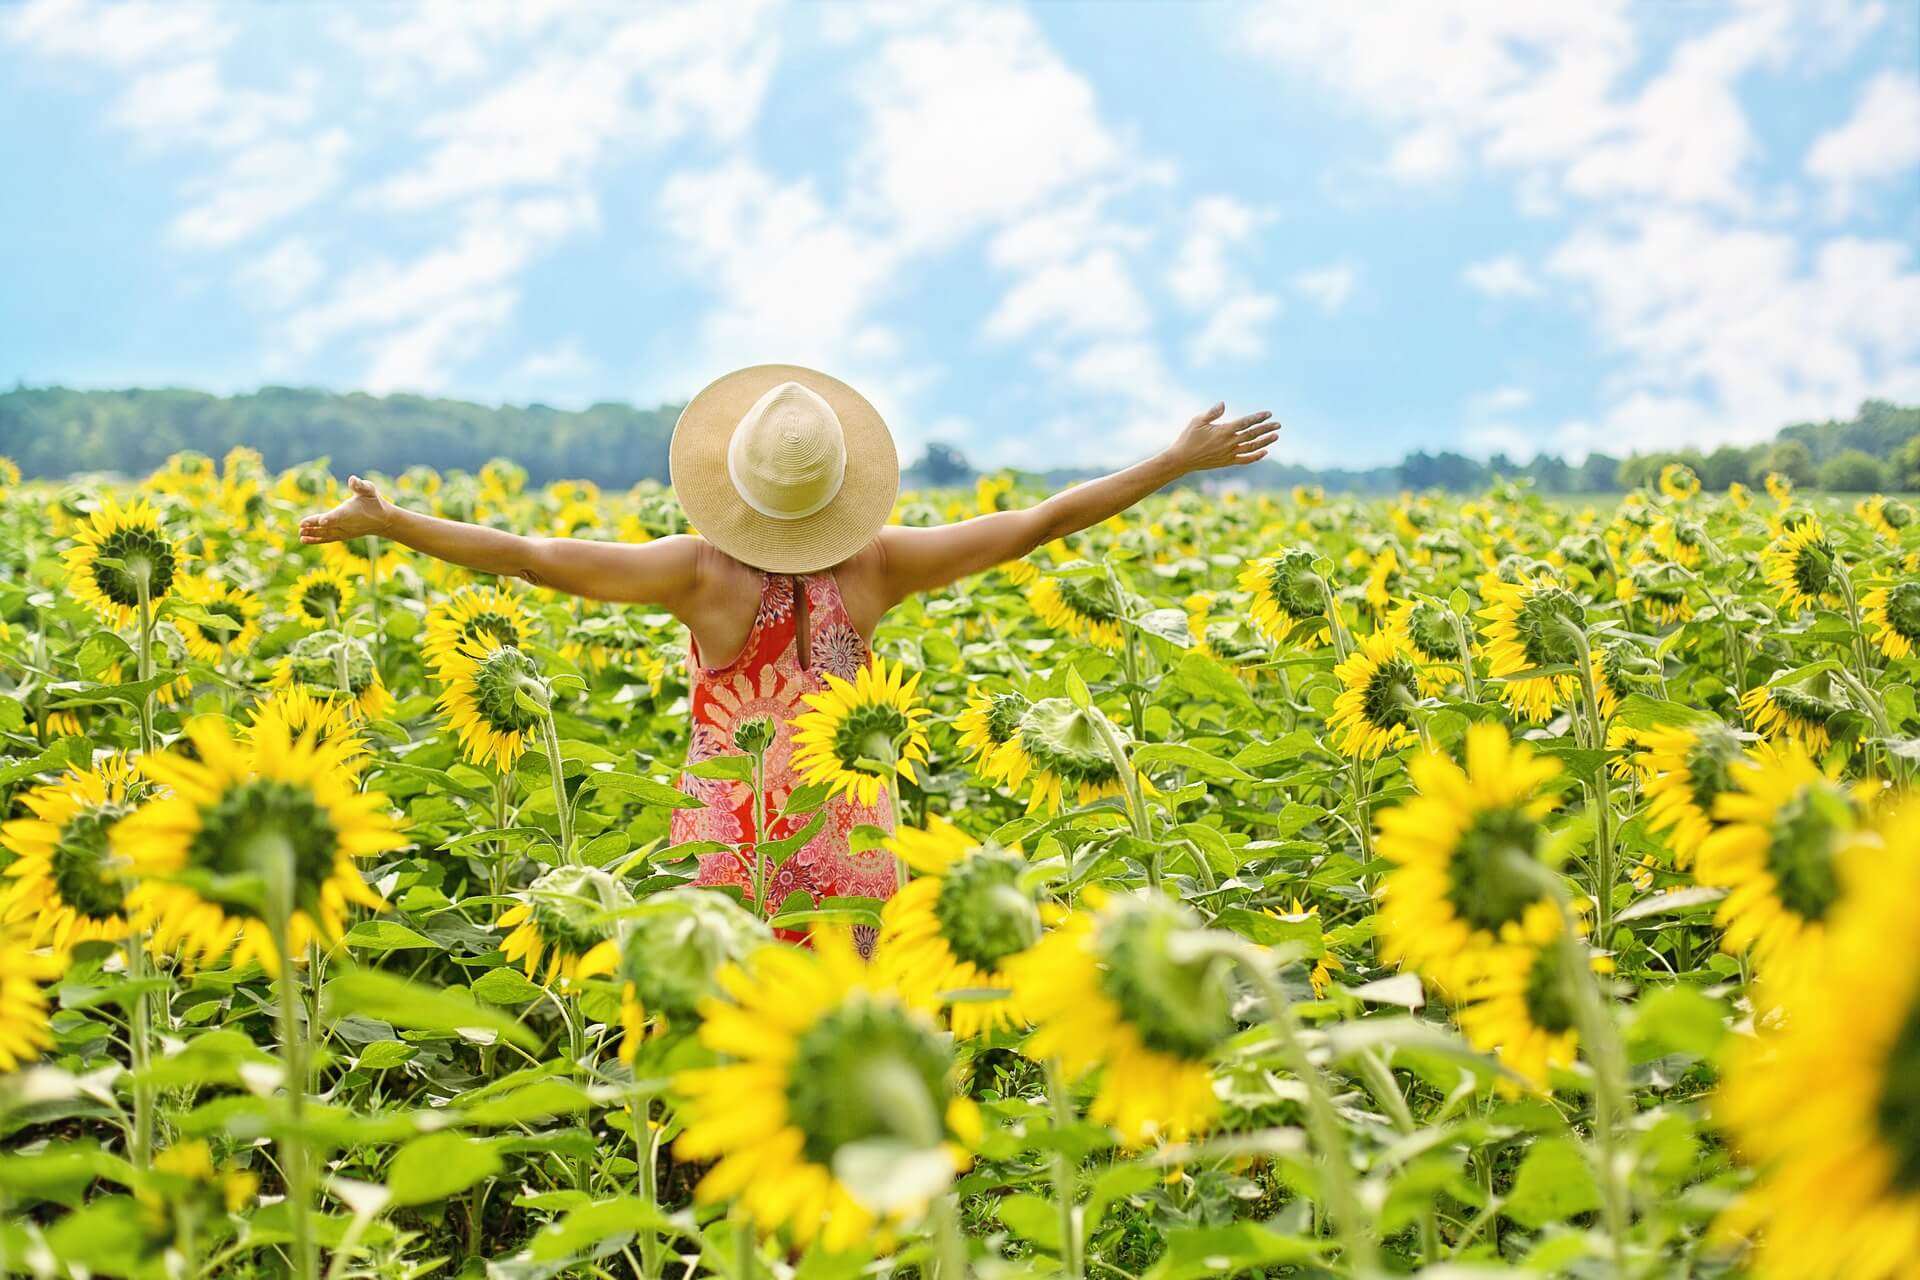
(784, 468)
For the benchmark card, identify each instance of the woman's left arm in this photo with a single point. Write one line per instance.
(913, 560)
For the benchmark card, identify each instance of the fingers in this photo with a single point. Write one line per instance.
(360, 486)
(1252, 422)
(1257, 441)
(1203, 419)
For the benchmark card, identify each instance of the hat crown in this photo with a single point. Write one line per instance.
(788, 454)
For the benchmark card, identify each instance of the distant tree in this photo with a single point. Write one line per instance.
(942, 466)
(1906, 468)
(1596, 473)
(1791, 458)
(1726, 465)
(1550, 473)
(1853, 471)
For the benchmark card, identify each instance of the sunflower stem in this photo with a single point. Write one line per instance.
(1357, 1246)
(1063, 1190)
(1603, 865)
(550, 738)
(745, 1251)
(275, 859)
(647, 1153)
(759, 834)
(143, 662)
(1136, 800)
(1386, 1089)
(373, 596)
(140, 1049)
(1469, 681)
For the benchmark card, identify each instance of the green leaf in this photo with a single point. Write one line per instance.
(538, 1101)
(1233, 1250)
(1178, 755)
(1077, 689)
(133, 692)
(504, 985)
(383, 1054)
(865, 836)
(630, 786)
(387, 935)
(805, 798)
(1116, 1183)
(733, 768)
(440, 1165)
(1201, 676)
(420, 1008)
(587, 1226)
(778, 851)
(1555, 1183)
(13, 715)
(1033, 1218)
(1638, 711)
(101, 650)
(1676, 1019)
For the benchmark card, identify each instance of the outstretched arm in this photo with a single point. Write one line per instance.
(661, 572)
(914, 560)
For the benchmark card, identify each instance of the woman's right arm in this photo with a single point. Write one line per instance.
(661, 572)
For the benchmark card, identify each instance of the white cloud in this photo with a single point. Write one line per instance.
(1235, 330)
(1500, 400)
(260, 184)
(1427, 154)
(562, 362)
(1092, 297)
(1502, 277)
(1734, 331)
(1880, 140)
(1329, 286)
(121, 35)
(283, 275)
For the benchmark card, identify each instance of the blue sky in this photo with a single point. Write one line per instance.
(1045, 233)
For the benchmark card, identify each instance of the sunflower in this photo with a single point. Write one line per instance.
(1678, 482)
(1681, 541)
(1797, 712)
(1517, 1006)
(990, 492)
(1063, 750)
(1779, 487)
(315, 664)
(1380, 685)
(222, 600)
(350, 556)
(987, 727)
(24, 1034)
(320, 598)
(1024, 571)
(1081, 604)
(1109, 991)
(1885, 516)
(1286, 592)
(1739, 495)
(1825, 1100)
(1530, 621)
(1454, 891)
(1785, 830)
(327, 721)
(1383, 579)
(820, 1059)
(9, 476)
(1687, 769)
(479, 700)
(957, 925)
(66, 886)
(1661, 590)
(118, 547)
(1800, 566)
(858, 734)
(486, 616)
(1628, 755)
(1894, 615)
(236, 817)
(1321, 976)
(566, 918)
(1429, 631)
(673, 946)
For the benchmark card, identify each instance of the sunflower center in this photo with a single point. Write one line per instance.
(1813, 569)
(570, 905)
(672, 951)
(1541, 624)
(1289, 579)
(1058, 736)
(1176, 1007)
(321, 600)
(488, 627)
(1709, 768)
(1090, 597)
(498, 677)
(868, 732)
(1431, 629)
(1390, 690)
(1547, 1005)
(1806, 830)
(248, 815)
(317, 662)
(1481, 882)
(1903, 609)
(982, 913)
(1896, 513)
(1898, 1110)
(1003, 716)
(82, 869)
(826, 1095)
(1803, 707)
(142, 553)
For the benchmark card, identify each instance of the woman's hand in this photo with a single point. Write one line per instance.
(1209, 441)
(364, 513)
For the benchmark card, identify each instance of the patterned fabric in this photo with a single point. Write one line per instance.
(766, 679)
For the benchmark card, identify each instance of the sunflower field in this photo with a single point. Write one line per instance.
(1296, 886)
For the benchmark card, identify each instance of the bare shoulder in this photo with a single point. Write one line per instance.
(862, 580)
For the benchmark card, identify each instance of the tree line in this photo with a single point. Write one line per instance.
(56, 432)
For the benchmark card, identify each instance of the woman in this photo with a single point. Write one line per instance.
(789, 476)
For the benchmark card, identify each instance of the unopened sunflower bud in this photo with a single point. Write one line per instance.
(754, 735)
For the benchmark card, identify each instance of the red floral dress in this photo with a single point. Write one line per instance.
(768, 679)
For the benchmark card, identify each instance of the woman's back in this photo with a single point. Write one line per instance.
(799, 634)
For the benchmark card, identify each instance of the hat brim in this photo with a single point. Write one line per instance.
(697, 466)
